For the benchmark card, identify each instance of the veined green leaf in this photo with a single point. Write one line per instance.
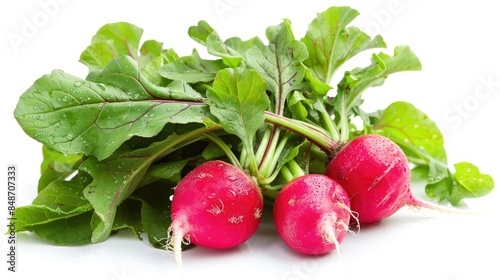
(192, 69)
(56, 167)
(200, 32)
(117, 176)
(74, 116)
(150, 70)
(238, 100)
(279, 63)
(423, 143)
(330, 42)
(117, 39)
(111, 41)
(355, 82)
(59, 214)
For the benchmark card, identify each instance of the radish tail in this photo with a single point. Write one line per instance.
(420, 203)
(328, 229)
(176, 237)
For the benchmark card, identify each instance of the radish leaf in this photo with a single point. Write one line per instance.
(279, 63)
(238, 100)
(111, 41)
(192, 69)
(330, 42)
(423, 143)
(59, 214)
(73, 116)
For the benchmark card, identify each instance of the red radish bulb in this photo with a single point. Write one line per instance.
(375, 173)
(216, 205)
(311, 214)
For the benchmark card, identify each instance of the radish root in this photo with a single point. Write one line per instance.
(328, 228)
(417, 203)
(176, 237)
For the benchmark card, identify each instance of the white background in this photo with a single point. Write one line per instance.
(458, 88)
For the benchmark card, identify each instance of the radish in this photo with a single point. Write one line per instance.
(375, 173)
(216, 205)
(311, 214)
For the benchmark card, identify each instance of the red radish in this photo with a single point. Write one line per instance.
(311, 214)
(375, 173)
(216, 205)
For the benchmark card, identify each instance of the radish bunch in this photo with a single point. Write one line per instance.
(257, 127)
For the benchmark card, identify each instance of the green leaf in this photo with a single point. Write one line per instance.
(169, 171)
(423, 143)
(318, 87)
(192, 69)
(466, 182)
(59, 214)
(155, 211)
(279, 63)
(70, 230)
(150, 70)
(111, 41)
(124, 73)
(299, 105)
(56, 167)
(238, 100)
(470, 178)
(117, 176)
(150, 50)
(128, 216)
(217, 47)
(200, 32)
(404, 122)
(74, 116)
(204, 34)
(331, 43)
(355, 82)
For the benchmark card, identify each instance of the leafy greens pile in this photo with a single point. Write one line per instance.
(116, 142)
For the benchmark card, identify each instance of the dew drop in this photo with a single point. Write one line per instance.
(77, 84)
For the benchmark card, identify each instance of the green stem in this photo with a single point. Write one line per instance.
(286, 173)
(295, 168)
(252, 164)
(270, 149)
(267, 168)
(259, 154)
(328, 123)
(344, 124)
(225, 148)
(314, 134)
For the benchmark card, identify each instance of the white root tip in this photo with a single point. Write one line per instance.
(175, 239)
(418, 203)
(329, 236)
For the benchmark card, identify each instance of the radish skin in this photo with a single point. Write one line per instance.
(216, 205)
(311, 214)
(375, 173)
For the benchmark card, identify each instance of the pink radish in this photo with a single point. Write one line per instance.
(311, 214)
(375, 173)
(216, 205)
